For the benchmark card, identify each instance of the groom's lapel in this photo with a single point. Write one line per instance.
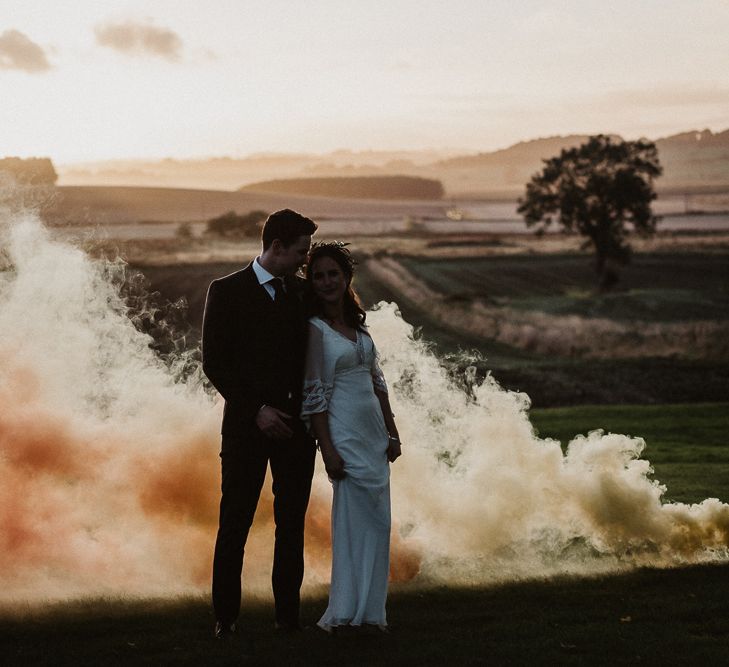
(255, 290)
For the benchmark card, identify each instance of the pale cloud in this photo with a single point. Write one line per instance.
(19, 52)
(138, 38)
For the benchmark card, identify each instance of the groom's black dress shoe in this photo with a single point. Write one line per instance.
(224, 630)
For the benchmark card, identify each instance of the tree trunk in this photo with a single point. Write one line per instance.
(607, 272)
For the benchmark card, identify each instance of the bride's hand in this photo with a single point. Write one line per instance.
(334, 465)
(393, 449)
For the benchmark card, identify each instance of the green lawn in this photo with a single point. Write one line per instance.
(658, 617)
(688, 445)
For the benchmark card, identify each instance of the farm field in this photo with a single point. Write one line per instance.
(680, 299)
(664, 288)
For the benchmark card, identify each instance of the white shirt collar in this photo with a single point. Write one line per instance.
(262, 274)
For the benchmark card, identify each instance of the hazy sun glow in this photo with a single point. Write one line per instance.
(100, 79)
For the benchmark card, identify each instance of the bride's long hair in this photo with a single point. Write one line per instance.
(354, 314)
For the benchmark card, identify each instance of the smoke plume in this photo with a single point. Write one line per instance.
(109, 477)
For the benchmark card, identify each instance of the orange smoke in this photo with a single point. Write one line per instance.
(96, 513)
(30, 438)
(109, 465)
(35, 447)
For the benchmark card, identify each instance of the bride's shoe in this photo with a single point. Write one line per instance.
(375, 629)
(331, 630)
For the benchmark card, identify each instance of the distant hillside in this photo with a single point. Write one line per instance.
(355, 187)
(691, 160)
(525, 152)
(505, 170)
(694, 159)
(226, 173)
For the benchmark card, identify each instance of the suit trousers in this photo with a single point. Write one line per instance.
(244, 461)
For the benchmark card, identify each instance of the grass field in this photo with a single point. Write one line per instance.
(688, 445)
(655, 617)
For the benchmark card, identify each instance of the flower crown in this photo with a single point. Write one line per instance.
(332, 247)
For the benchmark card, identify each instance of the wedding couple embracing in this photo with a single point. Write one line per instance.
(295, 363)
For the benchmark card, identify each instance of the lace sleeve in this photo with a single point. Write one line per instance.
(378, 377)
(318, 375)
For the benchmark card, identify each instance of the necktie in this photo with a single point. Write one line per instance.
(278, 289)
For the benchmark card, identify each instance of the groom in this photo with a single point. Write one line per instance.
(254, 338)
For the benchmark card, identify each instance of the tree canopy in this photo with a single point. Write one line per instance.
(235, 225)
(30, 171)
(601, 189)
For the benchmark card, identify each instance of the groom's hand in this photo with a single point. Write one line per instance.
(272, 423)
(334, 465)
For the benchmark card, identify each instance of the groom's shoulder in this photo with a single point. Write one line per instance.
(233, 280)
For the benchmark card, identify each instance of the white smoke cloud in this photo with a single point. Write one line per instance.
(139, 38)
(110, 475)
(486, 498)
(19, 52)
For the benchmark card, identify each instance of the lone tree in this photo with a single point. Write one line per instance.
(597, 189)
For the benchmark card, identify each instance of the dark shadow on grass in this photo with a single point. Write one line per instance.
(672, 616)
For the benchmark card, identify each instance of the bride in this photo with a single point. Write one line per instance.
(346, 403)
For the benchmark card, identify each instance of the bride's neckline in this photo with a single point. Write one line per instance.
(343, 335)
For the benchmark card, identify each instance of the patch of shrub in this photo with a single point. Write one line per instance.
(30, 171)
(233, 225)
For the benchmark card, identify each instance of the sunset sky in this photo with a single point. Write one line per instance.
(94, 79)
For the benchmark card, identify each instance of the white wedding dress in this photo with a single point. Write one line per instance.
(340, 378)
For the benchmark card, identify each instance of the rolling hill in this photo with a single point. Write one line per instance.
(692, 160)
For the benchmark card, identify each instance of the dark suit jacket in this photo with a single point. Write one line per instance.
(253, 349)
